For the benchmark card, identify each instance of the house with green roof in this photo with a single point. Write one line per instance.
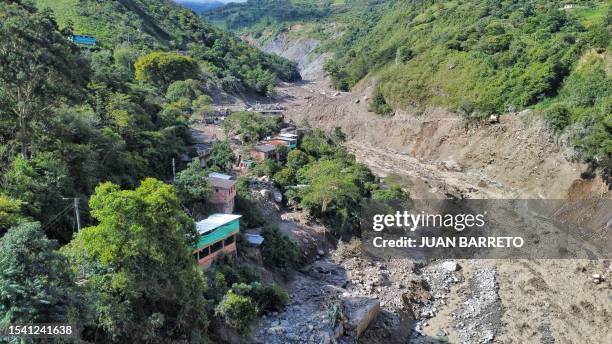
(217, 235)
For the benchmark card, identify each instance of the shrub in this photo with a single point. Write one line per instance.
(268, 297)
(238, 311)
(278, 251)
(183, 89)
(267, 168)
(557, 117)
(379, 105)
(393, 194)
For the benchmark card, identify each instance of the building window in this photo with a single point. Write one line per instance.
(230, 240)
(196, 256)
(216, 246)
(216, 190)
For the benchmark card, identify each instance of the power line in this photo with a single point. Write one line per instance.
(56, 217)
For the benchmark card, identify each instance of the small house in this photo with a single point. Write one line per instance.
(291, 139)
(224, 192)
(218, 235)
(262, 152)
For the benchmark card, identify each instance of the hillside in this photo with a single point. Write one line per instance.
(201, 6)
(164, 25)
(471, 57)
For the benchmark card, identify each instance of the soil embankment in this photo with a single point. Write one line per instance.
(435, 153)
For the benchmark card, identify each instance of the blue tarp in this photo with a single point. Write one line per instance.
(82, 39)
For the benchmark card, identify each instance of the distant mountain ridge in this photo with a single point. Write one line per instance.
(201, 6)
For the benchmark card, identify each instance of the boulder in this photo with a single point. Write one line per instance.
(360, 313)
(450, 266)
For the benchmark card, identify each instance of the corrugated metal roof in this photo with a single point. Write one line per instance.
(220, 175)
(254, 239)
(215, 221)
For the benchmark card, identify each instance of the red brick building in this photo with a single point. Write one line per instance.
(224, 192)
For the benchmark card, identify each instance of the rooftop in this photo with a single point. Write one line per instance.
(215, 221)
(266, 148)
(221, 183)
(220, 175)
(284, 138)
(276, 142)
(254, 239)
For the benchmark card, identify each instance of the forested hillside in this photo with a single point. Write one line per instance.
(200, 6)
(143, 25)
(94, 130)
(73, 116)
(473, 57)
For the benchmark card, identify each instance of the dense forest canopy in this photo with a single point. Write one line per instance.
(144, 25)
(75, 116)
(98, 127)
(473, 57)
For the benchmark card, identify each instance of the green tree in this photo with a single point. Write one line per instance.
(40, 183)
(329, 187)
(10, 213)
(285, 177)
(333, 193)
(239, 312)
(251, 216)
(260, 80)
(268, 297)
(36, 285)
(183, 89)
(221, 156)
(40, 68)
(278, 251)
(163, 68)
(192, 186)
(136, 263)
(297, 159)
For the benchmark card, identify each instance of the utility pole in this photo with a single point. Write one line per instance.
(77, 213)
(173, 169)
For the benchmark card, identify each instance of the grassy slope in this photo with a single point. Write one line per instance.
(149, 25)
(474, 57)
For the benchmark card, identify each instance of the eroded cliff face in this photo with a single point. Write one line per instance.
(515, 158)
(295, 46)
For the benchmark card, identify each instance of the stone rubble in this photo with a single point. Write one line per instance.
(478, 320)
(396, 299)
